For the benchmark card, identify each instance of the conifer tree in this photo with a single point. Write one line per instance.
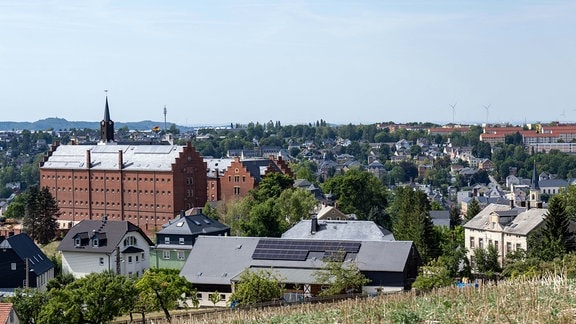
(41, 213)
(473, 209)
(555, 238)
(412, 221)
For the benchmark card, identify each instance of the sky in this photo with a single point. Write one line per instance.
(294, 61)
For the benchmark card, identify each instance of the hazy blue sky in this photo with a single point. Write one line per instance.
(217, 62)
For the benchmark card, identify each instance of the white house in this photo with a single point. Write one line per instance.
(97, 246)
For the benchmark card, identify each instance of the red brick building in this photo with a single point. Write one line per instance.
(244, 175)
(144, 184)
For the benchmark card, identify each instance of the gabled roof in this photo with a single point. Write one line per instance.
(5, 310)
(553, 183)
(25, 248)
(330, 212)
(224, 257)
(339, 230)
(440, 217)
(114, 230)
(521, 222)
(258, 167)
(192, 225)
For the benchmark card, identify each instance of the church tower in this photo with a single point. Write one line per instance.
(106, 126)
(534, 200)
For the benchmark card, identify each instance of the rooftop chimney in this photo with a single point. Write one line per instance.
(512, 203)
(314, 225)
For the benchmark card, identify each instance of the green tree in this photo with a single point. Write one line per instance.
(341, 277)
(412, 222)
(214, 297)
(487, 260)
(255, 287)
(163, 289)
(272, 186)
(294, 205)
(357, 192)
(473, 209)
(554, 239)
(40, 220)
(96, 298)
(453, 257)
(433, 275)
(17, 208)
(28, 303)
(455, 219)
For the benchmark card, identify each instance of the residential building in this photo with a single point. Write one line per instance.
(216, 263)
(24, 265)
(244, 175)
(315, 229)
(552, 186)
(8, 314)
(105, 245)
(505, 226)
(147, 185)
(177, 237)
(328, 212)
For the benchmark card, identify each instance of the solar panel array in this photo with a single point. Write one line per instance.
(297, 250)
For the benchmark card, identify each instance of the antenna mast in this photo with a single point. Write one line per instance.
(487, 107)
(165, 111)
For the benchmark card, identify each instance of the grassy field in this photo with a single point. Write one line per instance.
(543, 301)
(50, 248)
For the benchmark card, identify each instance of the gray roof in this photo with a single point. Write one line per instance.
(217, 164)
(522, 221)
(257, 167)
(553, 183)
(25, 248)
(440, 217)
(114, 230)
(192, 225)
(339, 230)
(105, 157)
(219, 259)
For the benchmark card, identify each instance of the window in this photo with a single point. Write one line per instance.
(77, 242)
(471, 242)
(237, 191)
(236, 178)
(508, 247)
(243, 178)
(181, 255)
(137, 259)
(496, 245)
(166, 255)
(130, 240)
(101, 261)
(222, 297)
(166, 240)
(518, 246)
(130, 259)
(180, 240)
(142, 256)
(481, 243)
(13, 266)
(199, 296)
(95, 242)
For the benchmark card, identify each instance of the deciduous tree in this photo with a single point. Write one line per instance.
(257, 287)
(341, 277)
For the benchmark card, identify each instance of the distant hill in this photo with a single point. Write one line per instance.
(63, 124)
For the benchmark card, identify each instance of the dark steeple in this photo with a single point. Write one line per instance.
(534, 184)
(106, 125)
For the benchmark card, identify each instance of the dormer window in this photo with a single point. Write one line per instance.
(167, 240)
(181, 240)
(95, 242)
(130, 241)
(77, 242)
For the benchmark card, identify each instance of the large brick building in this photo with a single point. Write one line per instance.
(144, 184)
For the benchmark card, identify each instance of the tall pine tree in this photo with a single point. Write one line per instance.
(41, 214)
(555, 238)
(412, 222)
(473, 209)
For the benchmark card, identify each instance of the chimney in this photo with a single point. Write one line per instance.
(528, 205)
(314, 225)
(88, 159)
(120, 160)
(511, 203)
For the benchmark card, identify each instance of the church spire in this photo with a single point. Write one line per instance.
(106, 125)
(534, 184)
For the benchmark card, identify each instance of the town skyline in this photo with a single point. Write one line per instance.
(242, 61)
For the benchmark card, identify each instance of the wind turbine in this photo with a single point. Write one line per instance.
(487, 107)
(453, 111)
